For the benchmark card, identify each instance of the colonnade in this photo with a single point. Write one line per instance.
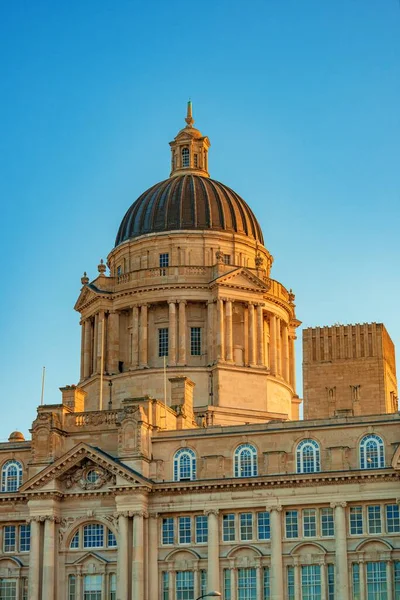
(42, 568)
(265, 340)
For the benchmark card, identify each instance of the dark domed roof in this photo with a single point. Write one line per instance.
(189, 202)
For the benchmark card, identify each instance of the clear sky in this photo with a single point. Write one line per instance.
(301, 104)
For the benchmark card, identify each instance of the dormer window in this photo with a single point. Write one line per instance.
(185, 157)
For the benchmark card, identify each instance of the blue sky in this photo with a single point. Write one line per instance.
(301, 104)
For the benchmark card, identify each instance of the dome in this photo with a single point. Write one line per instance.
(16, 436)
(189, 202)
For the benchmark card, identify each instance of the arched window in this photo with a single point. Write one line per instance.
(184, 465)
(11, 476)
(372, 452)
(185, 157)
(245, 461)
(93, 535)
(308, 457)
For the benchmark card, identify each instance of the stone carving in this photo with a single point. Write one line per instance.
(259, 261)
(88, 477)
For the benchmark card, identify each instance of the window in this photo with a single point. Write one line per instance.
(376, 581)
(164, 260)
(10, 542)
(263, 526)
(24, 586)
(245, 460)
(94, 535)
(356, 520)
(8, 589)
(291, 522)
(228, 528)
(392, 518)
(290, 583)
(309, 522)
(374, 519)
(327, 522)
(112, 540)
(356, 581)
(185, 465)
(308, 457)
(119, 271)
(311, 582)
(372, 454)
(203, 582)
(195, 341)
(201, 522)
(163, 341)
(24, 538)
(227, 584)
(247, 584)
(185, 157)
(16, 538)
(75, 541)
(185, 530)
(331, 582)
(113, 586)
(11, 476)
(168, 531)
(267, 588)
(246, 526)
(227, 259)
(184, 585)
(165, 585)
(92, 585)
(396, 580)
(71, 587)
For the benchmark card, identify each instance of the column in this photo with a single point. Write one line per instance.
(260, 335)
(122, 559)
(233, 579)
(389, 579)
(86, 349)
(79, 583)
(172, 333)
(252, 357)
(322, 566)
(82, 371)
(228, 330)
(196, 580)
(341, 572)
(171, 581)
(34, 560)
(213, 582)
(135, 337)
(143, 335)
(278, 341)
(292, 359)
(49, 545)
(210, 329)
(297, 578)
(104, 585)
(260, 582)
(362, 580)
(182, 333)
(285, 352)
(272, 344)
(100, 340)
(276, 552)
(94, 346)
(220, 330)
(112, 342)
(153, 556)
(138, 556)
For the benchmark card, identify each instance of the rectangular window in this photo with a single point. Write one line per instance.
(263, 526)
(203, 581)
(201, 522)
(376, 581)
(111, 539)
(267, 587)
(374, 519)
(24, 538)
(163, 341)
(8, 589)
(185, 530)
(309, 522)
(10, 538)
(92, 585)
(227, 259)
(290, 583)
(164, 260)
(113, 586)
(247, 584)
(195, 341)
(356, 581)
(168, 531)
(356, 520)
(228, 528)
(227, 584)
(195, 159)
(331, 582)
(396, 565)
(71, 587)
(327, 522)
(93, 536)
(311, 582)
(392, 518)
(291, 521)
(184, 585)
(246, 526)
(165, 585)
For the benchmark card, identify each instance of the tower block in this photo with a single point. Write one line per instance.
(348, 369)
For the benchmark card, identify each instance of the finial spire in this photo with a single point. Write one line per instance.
(189, 117)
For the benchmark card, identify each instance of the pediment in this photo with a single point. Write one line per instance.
(89, 293)
(89, 557)
(84, 469)
(242, 279)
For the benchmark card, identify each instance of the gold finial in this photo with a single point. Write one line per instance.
(189, 117)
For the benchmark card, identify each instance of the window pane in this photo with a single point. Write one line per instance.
(8, 589)
(168, 530)
(165, 585)
(203, 581)
(10, 538)
(311, 582)
(92, 585)
(292, 529)
(267, 591)
(263, 525)
(184, 585)
(111, 539)
(163, 341)
(393, 518)
(195, 341)
(24, 538)
(185, 530)
(246, 526)
(75, 541)
(327, 522)
(93, 536)
(247, 586)
(113, 586)
(228, 528)
(396, 580)
(246, 461)
(372, 452)
(374, 519)
(71, 587)
(227, 584)
(331, 582)
(309, 522)
(201, 529)
(356, 520)
(290, 583)
(356, 581)
(376, 581)
(164, 260)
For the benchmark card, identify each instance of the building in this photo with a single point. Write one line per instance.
(178, 463)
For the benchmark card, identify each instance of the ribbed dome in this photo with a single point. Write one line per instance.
(189, 202)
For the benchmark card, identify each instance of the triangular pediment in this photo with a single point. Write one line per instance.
(90, 556)
(243, 279)
(89, 293)
(84, 468)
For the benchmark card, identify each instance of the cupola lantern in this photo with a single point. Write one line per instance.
(189, 149)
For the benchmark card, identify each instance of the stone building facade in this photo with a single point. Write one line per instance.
(178, 464)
